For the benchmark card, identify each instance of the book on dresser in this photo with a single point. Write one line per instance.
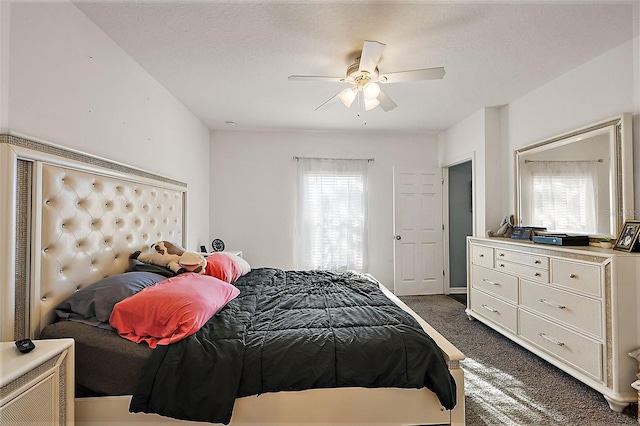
(575, 307)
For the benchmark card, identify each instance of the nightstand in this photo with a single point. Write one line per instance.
(37, 387)
(236, 252)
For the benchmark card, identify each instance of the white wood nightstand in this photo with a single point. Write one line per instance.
(37, 387)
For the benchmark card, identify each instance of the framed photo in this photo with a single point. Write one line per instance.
(629, 236)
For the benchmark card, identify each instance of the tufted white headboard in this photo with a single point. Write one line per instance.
(73, 219)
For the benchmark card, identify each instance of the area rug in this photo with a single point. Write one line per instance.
(506, 384)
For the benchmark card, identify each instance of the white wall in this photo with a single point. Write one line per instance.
(4, 63)
(64, 81)
(253, 188)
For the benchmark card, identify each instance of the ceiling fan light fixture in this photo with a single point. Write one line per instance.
(364, 75)
(371, 90)
(370, 104)
(347, 96)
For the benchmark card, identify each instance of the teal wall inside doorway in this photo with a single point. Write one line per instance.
(460, 222)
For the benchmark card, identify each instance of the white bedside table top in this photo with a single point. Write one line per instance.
(13, 364)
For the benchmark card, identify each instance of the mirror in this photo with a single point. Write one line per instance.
(580, 182)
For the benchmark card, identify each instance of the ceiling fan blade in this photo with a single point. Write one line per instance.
(414, 75)
(370, 56)
(325, 103)
(385, 102)
(315, 78)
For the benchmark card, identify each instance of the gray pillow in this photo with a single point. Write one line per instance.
(136, 265)
(93, 304)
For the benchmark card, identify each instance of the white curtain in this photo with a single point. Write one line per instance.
(564, 196)
(331, 227)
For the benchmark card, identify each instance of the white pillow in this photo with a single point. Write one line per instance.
(240, 262)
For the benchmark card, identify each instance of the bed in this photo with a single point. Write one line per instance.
(74, 219)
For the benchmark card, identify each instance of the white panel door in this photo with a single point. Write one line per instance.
(418, 251)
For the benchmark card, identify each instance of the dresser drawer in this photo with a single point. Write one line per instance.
(496, 310)
(576, 350)
(494, 282)
(481, 255)
(576, 276)
(523, 258)
(577, 311)
(523, 271)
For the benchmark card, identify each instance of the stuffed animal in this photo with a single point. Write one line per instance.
(174, 257)
(506, 227)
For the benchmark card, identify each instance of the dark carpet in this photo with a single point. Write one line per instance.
(506, 384)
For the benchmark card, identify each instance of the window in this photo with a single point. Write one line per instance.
(563, 194)
(331, 230)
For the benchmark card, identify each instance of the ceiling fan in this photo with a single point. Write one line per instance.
(363, 76)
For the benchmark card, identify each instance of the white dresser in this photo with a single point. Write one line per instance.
(572, 306)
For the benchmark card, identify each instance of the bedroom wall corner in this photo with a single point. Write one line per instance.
(73, 86)
(495, 162)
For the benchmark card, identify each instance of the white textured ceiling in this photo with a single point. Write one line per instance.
(229, 60)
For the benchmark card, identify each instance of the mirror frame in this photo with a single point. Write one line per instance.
(621, 167)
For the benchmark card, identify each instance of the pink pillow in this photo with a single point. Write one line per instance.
(171, 309)
(222, 267)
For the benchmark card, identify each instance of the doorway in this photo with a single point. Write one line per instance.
(460, 223)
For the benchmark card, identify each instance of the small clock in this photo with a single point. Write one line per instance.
(217, 244)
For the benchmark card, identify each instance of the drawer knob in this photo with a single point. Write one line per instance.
(555, 305)
(489, 308)
(537, 274)
(502, 265)
(482, 255)
(573, 276)
(501, 254)
(551, 339)
(537, 262)
(490, 282)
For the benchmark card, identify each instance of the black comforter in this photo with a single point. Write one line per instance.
(292, 330)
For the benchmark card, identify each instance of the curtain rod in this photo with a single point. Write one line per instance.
(368, 160)
(600, 160)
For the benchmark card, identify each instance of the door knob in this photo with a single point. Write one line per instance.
(398, 237)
